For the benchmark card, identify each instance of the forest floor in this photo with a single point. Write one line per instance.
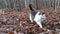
(17, 22)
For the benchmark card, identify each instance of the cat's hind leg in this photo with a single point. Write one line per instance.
(30, 17)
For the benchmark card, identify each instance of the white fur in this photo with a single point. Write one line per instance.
(39, 18)
(30, 16)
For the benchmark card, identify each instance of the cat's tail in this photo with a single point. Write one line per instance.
(30, 6)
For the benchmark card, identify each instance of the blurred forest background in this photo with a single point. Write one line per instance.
(19, 4)
(17, 22)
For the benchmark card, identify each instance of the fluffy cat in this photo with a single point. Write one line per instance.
(38, 17)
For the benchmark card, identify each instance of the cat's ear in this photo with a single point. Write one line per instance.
(43, 13)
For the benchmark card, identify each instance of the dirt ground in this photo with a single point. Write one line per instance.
(17, 22)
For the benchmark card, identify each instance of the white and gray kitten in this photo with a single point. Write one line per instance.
(38, 17)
